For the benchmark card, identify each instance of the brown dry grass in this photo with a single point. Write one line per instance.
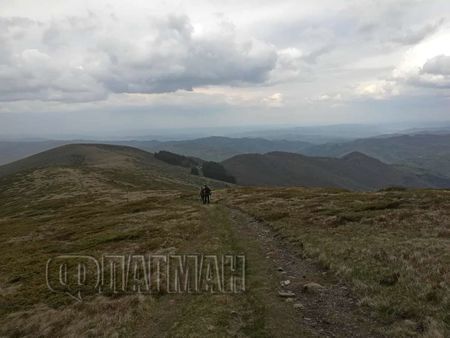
(92, 211)
(370, 239)
(366, 238)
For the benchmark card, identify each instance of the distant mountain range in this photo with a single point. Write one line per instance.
(213, 148)
(431, 153)
(218, 148)
(355, 171)
(342, 132)
(422, 154)
(320, 134)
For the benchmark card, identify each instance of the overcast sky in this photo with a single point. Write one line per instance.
(104, 66)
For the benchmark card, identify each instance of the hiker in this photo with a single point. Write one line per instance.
(202, 194)
(207, 194)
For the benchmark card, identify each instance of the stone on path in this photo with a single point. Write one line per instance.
(285, 282)
(286, 294)
(312, 287)
(298, 306)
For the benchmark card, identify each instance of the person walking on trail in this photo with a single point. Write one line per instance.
(207, 194)
(202, 194)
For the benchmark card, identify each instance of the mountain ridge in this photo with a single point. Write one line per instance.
(111, 161)
(355, 171)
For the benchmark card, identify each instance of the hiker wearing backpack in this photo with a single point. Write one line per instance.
(207, 194)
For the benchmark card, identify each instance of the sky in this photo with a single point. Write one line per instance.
(105, 67)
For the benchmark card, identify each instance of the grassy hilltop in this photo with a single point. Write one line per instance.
(384, 254)
(105, 199)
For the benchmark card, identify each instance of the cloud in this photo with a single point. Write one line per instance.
(329, 98)
(274, 100)
(86, 58)
(439, 65)
(378, 90)
(30, 70)
(245, 57)
(175, 58)
(434, 73)
(365, 91)
(290, 65)
(397, 32)
(427, 64)
(414, 35)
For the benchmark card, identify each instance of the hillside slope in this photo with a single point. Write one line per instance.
(96, 200)
(78, 155)
(392, 245)
(118, 162)
(426, 151)
(92, 200)
(354, 171)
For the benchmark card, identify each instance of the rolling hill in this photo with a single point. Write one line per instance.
(109, 161)
(428, 152)
(355, 171)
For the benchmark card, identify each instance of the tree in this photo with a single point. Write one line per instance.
(217, 171)
(175, 159)
(194, 171)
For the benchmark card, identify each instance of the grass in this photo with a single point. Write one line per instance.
(91, 211)
(393, 246)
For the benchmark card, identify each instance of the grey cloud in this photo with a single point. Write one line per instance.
(79, 59)
(312, 56)
(176, 59)
(30, 70)
(400, 31)
(435, 73)
(439, 65)
(297, 49)
(411, 36)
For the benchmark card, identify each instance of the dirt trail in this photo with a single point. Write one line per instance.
(327, 308)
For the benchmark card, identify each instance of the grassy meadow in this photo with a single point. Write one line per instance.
(393, 246)
(92, 211)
